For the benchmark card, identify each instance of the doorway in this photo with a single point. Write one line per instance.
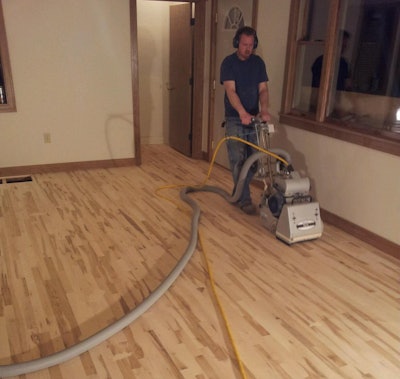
(180, 77)
(152, 104)
(198, 30)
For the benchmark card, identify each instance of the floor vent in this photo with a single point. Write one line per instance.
(17, 179)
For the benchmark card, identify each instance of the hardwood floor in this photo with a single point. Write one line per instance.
(79, 249)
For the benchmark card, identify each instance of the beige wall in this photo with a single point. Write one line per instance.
(72, 78)
(356, 183)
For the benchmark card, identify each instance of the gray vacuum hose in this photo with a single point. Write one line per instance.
(109, 331)
(242, 176)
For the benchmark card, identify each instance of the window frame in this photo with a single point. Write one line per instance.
(381, 140)
(10, 106)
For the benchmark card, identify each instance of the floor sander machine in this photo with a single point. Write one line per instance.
(287, 208)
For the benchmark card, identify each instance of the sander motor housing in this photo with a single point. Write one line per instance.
(288, 210)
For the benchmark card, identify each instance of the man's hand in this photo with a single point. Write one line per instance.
(265, 116)
(246, 118)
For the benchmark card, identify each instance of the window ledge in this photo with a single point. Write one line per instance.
(387, 142)
(7, 108)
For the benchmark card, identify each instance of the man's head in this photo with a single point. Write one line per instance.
(245, 41)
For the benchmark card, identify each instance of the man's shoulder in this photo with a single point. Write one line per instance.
(257, 58)
(318, 60)
(230, 57)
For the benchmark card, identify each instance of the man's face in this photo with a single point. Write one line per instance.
(246, 45)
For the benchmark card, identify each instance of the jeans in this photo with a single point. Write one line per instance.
(238, 152)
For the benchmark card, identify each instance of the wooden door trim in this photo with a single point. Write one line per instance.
(213, 78)
(135, 80)
(198, 79)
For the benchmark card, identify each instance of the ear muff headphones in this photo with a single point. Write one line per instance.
(245, 30)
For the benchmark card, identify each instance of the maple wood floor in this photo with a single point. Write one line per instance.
(80, 249)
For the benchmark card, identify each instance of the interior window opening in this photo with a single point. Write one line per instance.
(344, 67)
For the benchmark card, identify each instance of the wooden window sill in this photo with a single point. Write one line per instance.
(380, 140)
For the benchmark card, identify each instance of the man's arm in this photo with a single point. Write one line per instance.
(234, 99)
(264, 101)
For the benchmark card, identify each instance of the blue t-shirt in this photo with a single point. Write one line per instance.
(247, 75)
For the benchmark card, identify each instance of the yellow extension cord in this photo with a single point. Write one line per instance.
(209, 269)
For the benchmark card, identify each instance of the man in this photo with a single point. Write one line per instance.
(343, 80)
(344, 76)
(245, 78)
